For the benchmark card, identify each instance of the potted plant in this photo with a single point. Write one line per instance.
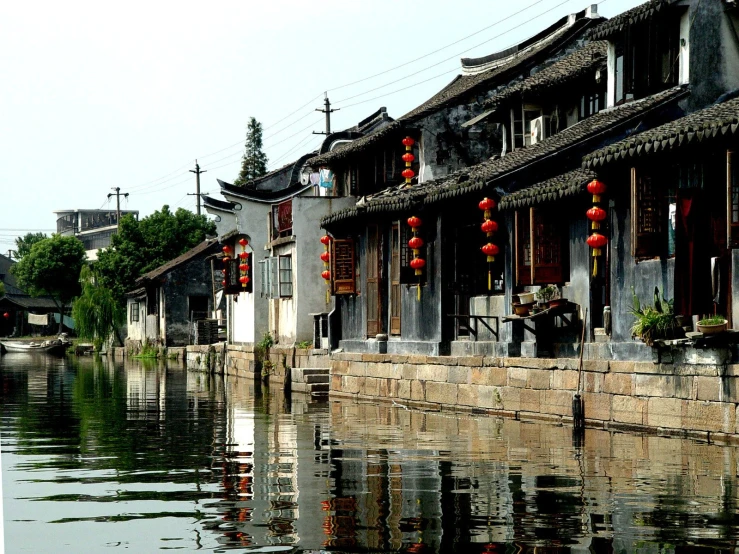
(545, 294)
(712, 325)
(656, 321)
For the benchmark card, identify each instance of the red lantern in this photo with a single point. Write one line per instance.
(418, 263)
(223, 282)
(414, 222)
(226, 249)
(6, 315)
(408, 141)
(489, 226)
(325, 239)
(325, 256)
(408, 157)
(326, 274)
(596, 187)
(415, 243)
(408, 173)
(243, 242)
(486, 204)
(596, 214)
(243, 280)
(597, 241)
(243, 255)
(244, 267)
(490, 249)
(226, 259)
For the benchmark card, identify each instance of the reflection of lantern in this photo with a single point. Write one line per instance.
(488, 227)
(596, 214)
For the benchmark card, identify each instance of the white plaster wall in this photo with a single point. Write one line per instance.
(242, 312)
(285, 310)
(136, 329)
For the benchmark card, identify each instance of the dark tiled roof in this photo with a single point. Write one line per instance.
(477, 177)
(347, 149)
(466, 85)
(623, 20)
(203, 248)
(28, 302)
(720, 120)
(210, 202)
(556, 188)
(581, 62)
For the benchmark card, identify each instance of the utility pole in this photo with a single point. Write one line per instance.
(327, 110)
(117, 203)
(197, 171)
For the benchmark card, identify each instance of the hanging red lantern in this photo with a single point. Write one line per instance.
(408, 141)
(243, 279)
(414, 222)
(415, 243)
(326, 274)
(325, 256)
(226, 259)
(244, 267)
(596, 188)
(597, 241)
(6, 315)
(226, 249)
(486, 204)
(408, 173)
(596, 214)
(243, 255)
(408, 157)
(223, 282)
(490, 250)
(243, 242)
(325, 239)
(489, 226)
(418, 264)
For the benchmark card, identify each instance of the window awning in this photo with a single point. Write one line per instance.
(478, 119)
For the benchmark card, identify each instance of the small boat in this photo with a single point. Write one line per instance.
(56, 346)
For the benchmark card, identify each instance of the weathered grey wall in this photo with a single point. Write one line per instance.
(307, 266)
(353, 307)
(191, 279)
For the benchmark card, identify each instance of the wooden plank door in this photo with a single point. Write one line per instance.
(373, 281)
(395, 280)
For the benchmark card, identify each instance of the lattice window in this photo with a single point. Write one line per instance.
(547, 230)
(231, 276)
(134, 312)
(342, 266)
(647, 216)
(286, 276)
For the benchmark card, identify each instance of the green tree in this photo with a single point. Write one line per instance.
(97, 315)
(52, 268)
(254, 161)
(141, 246)
(23, 244)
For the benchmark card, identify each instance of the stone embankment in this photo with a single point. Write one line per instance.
(698, 400)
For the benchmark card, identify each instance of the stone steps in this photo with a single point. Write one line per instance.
(313, 380)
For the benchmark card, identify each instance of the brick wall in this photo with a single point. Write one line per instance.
(684, 399)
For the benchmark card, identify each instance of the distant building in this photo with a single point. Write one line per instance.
(93, 227)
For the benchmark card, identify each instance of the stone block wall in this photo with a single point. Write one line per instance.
(684, 399)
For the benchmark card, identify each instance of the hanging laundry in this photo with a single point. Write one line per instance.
(315, 178)
(38, 319)
(327, 178)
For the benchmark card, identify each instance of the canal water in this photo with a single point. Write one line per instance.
(143, 457)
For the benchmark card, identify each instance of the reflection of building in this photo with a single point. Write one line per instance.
(145, 392)
(93, 227)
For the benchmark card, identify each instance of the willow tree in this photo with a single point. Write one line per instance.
(97, 314)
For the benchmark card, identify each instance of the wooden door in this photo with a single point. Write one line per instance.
(395, 280)
(373, 281)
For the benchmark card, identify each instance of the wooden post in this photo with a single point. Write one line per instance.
(531, 244)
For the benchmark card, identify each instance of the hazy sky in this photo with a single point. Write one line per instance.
(95, 95)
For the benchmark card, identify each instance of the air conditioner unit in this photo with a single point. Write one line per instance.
(539, 128)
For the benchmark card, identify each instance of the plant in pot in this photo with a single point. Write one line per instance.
(654, 322)
(712, 325)
(546, 294)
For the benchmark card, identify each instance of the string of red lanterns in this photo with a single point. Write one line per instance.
(489, 227)
(596, 214)
(227, 251)
(244, 265)
(415, 244)
(408, 158)
(326, 258)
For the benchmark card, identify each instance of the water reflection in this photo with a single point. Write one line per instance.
(147, 457)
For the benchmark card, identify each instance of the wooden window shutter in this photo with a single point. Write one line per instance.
(647, 230)
(231, 276)
(342, 266)
(407, 273)
(549, 255)
(523, 247)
